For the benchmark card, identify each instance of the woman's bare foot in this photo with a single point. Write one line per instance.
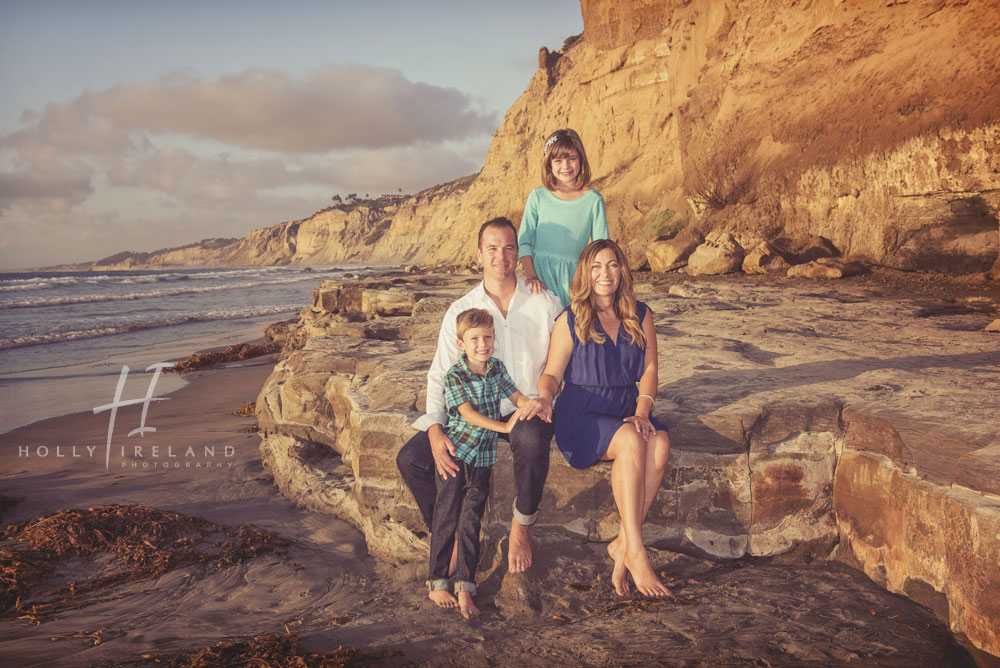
(519, 548)
(465, 604)
(616, 550)
(642, 573)
(443, 598)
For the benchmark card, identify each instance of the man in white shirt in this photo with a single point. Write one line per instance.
(522, 323)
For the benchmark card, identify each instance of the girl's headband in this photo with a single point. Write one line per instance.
(550, 142)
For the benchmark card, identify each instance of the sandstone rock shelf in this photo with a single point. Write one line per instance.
(809, 419)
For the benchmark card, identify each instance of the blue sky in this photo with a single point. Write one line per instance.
(136, 126)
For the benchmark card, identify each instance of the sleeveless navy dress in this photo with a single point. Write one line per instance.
(600, 391)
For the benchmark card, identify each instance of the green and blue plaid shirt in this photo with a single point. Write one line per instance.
(475, 445)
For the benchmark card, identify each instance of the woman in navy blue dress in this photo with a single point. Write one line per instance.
(602, 345)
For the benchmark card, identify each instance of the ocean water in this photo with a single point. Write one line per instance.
(65, 336)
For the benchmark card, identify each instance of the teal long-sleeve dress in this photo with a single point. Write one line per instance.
(555, 231)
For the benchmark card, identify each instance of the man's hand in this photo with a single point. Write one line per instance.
(443, 451)
(540, 407)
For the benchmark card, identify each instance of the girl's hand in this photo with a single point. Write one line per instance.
(535, 285)
(642, 425)
(509, 427)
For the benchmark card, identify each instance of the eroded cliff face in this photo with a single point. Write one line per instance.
(875, 125)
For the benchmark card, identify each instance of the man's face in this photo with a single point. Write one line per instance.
(498, 253)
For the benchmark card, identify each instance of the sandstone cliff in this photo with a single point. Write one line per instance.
(874, 125)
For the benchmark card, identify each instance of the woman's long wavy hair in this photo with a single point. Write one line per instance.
(581, 297)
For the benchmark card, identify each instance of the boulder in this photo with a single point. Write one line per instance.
(807, 249)
(765, 259)
(827, 267)
(720, 254)
(394, 301)
(993, 326)
(670, 254)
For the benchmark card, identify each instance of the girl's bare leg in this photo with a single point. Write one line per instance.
(628, 483)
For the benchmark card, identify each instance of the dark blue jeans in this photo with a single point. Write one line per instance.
(529, 445)
(458, 514)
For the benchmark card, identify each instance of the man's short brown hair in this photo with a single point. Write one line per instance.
(473, 317)
(496, 222)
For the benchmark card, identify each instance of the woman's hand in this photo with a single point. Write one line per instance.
(535, 285)
(545, 408)
(642, 425)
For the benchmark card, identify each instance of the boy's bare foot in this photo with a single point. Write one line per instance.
(519, 548)
(443, 598)
(616, 550)
(642, 573)
(465, 604)
(453, 565)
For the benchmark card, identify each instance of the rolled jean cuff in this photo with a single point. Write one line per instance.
(465, 585)
(437, 585)
(525, 520)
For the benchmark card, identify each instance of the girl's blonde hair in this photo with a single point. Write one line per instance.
(560, 144)
(580, 293)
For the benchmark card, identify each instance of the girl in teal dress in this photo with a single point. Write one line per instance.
(560, 217)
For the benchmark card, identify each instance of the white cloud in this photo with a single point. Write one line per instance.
(334, 108)
(38, 193)
(191, 158)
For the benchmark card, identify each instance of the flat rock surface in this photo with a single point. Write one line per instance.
(563, 612)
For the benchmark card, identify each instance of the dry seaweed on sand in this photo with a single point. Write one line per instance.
(268, 651)
(141, 542)
(236, 352)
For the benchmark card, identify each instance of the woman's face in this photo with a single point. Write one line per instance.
(605, 273)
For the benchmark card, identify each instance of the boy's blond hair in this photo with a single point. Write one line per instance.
(473, 317)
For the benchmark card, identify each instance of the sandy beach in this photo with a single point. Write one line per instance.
(323, 585)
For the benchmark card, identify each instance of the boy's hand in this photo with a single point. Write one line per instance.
(443, 452)
(509, 427)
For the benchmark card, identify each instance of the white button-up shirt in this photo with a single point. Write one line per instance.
(521, 343)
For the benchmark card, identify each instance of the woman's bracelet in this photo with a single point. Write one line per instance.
(651, 400)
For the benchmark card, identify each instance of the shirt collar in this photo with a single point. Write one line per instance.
(464, 361)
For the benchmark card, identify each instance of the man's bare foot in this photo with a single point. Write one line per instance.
(519, 548)
(465, 604)
(642, 573)
(443, 598)
(453, 565)
(616, 550)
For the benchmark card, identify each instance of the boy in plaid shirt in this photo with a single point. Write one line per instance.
(473, 388)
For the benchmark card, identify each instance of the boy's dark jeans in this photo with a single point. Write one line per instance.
(529, 445)
(458, 507)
